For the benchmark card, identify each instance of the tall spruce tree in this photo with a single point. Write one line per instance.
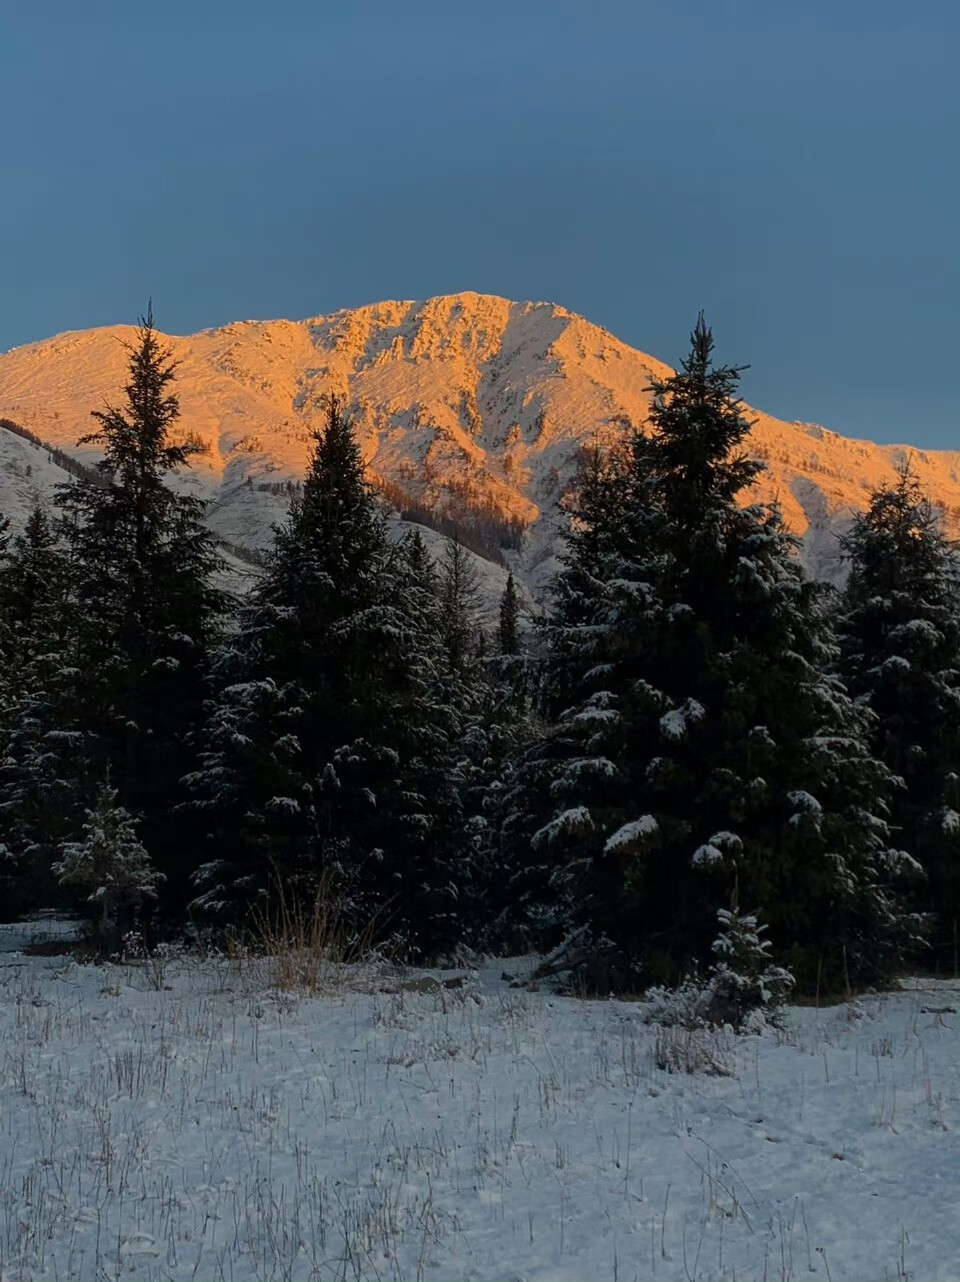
(293, 687)
(700, 758)
(442, 714)
(327, 758)
(509, 636)
(5, 611)
(144, 609)
(900, 653)
(8, 855)
(460, 605)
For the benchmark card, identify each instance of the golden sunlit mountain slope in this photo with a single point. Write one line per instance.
(462, 401)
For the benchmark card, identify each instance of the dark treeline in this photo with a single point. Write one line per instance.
(696, 746)
(480, 526)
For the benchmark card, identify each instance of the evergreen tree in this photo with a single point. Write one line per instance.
(744, 979)
(5, 612)
(110, 861)
(293, 686)
(442, 708)
(28, 565)
(742, 984)
(509, 618)
(700, 758)
(328, 750)
(38, 755)
(499, 730)
(900, 653)
(8, 858)
(460, 604)
(144, 609)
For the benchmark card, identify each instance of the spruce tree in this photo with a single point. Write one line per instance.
(440, 711)
(8, 856)
(327, 756)
(145, 612)
(289, 685)
(460, 604)
(700, 759)
(900, 653)
(509, 617)
(28, 565)
(4, 607)
(110, 862)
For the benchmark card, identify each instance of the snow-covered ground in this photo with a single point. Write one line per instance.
(181, 1120)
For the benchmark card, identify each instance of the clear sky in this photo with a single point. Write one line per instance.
(789, 167)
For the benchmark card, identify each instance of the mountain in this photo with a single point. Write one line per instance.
(469, 405)
(28, 475)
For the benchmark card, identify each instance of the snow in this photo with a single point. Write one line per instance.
(571, 822)
(631, 835)
(673, 724)
(917, 631)
(706, 855)
(591, 717)
(28, 476)
(178, 1118)
(902, 864)
(895, 663)
(581, 770)
(283, 805)
(43, 927)
(464, 394)
(805, 801)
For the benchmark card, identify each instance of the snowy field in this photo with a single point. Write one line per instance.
(183, 1121)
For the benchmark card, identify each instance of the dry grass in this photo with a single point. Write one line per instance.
(308, 946)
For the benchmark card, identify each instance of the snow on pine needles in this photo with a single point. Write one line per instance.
(181, 1120)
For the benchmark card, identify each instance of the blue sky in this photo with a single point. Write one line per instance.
(789, 167)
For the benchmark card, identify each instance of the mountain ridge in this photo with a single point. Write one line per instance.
(462, 402)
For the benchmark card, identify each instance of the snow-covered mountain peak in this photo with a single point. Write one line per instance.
(464, 403)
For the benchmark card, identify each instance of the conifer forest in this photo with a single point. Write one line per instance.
(688, 762)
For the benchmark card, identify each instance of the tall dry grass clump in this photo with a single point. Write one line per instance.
(309, 945)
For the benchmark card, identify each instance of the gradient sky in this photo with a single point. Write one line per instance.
(789, 167)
